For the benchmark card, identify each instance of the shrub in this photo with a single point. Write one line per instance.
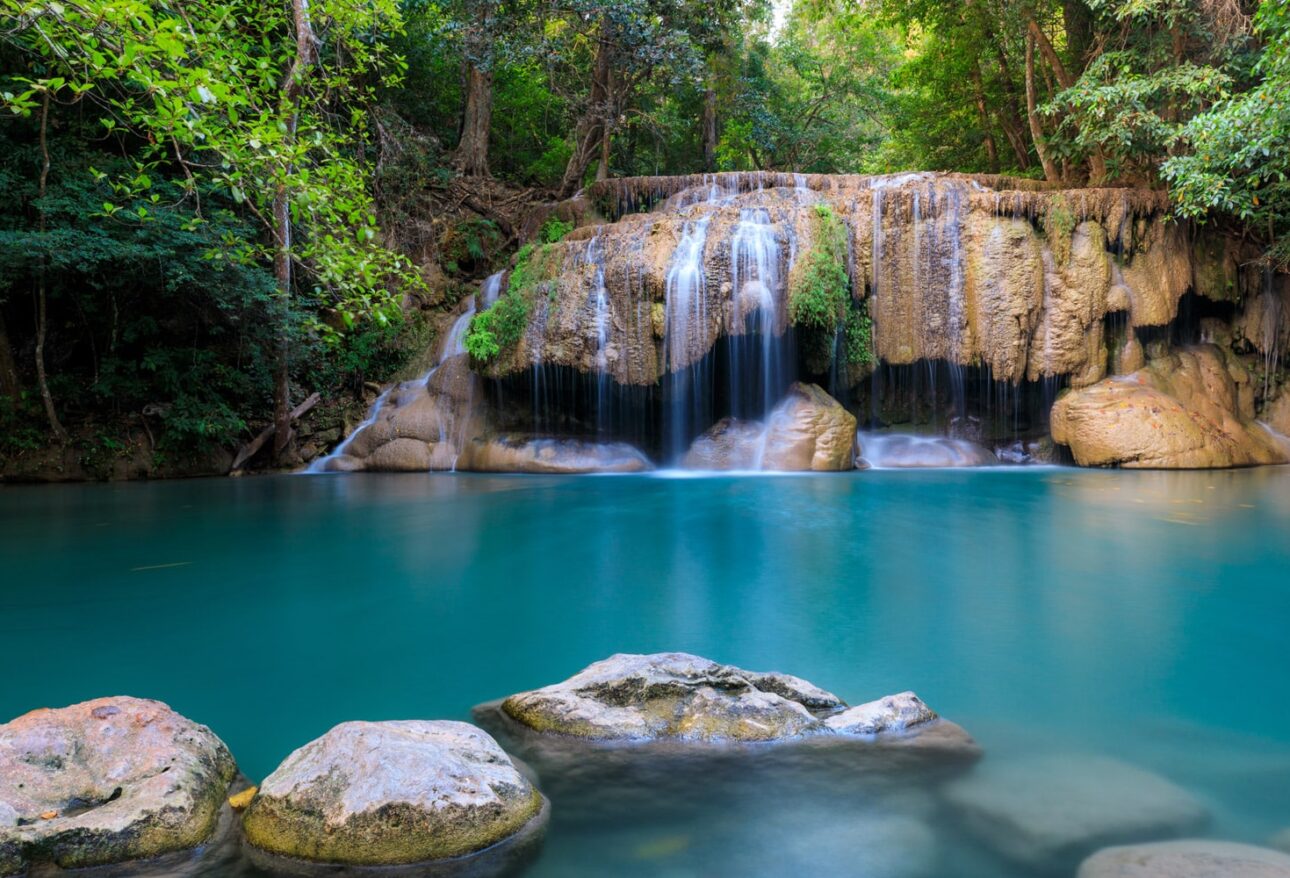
(502, 325)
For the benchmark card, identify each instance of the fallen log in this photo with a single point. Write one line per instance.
(249, 449)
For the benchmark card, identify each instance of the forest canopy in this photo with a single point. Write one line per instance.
(217, 208)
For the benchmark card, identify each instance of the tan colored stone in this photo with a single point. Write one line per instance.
(1180, 412)
(1198, 858)
(1158, 274)
(809, 430)
(1277, 415)
(522, 454)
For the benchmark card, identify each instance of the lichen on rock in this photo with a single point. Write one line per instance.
(108, 781)
(393, 793)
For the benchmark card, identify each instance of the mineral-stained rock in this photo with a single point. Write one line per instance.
(729, 444)
(107, 781)
(521, 454)
(1181, 411)
(392, 793)
(1048, 812)
(894, 713)
(1277, 414)
(1200, 858)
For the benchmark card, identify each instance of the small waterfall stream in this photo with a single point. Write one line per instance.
(686, 318)
(757, 363)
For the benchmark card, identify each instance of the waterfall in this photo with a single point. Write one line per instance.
(454, 345)
(685, 329)
(756, 363)
(602, 322)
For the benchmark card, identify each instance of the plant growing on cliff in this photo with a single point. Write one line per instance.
(554, 230)
(859, 336)
(502, 326)
(818, 295)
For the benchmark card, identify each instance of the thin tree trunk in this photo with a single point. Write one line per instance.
(1010, 117)
(472, 150)
(1078, 20)
(291, 91)
(1032, 115)
(709, 129)
(590, 130)
(9, 383)
(1096, 162)
(42, 320)
(991, 151)
(602, 170)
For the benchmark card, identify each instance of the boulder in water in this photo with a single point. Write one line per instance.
(679, 697)
(1281, 841)
(393, 793)
(107, 781)
(525, 454)
(1183, 411)
(900, 451)
(1049, 812)
(1198, 858)
(807, 431)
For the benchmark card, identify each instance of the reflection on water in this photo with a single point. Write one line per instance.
(1140, 616)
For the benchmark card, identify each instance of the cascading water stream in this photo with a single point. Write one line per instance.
(685, 325)
(757, 364)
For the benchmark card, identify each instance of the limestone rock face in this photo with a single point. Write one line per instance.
(1182, 411)
(682, 697)
(1049, 812)
(520, 454)
(107, 781)
(1277, 414)
(1187, 859)
(392, 793)
(809, 430)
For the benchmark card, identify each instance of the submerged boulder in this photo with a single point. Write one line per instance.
(1048, 812)
(522, 454)
(807, 431)
(1281, 841)
(900, 451)
(107, 781)
(1182, 411)
(1200, 858)
(677, 697)
(393, 793)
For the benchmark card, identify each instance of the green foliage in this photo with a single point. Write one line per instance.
(502, 326)
(470, 244)
(859, 336)
(554, 230)
(820, 290)
(1238, 158)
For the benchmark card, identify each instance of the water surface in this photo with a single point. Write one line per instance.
(1138, 615)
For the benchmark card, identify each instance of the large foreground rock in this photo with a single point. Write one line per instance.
(393, 793)
(521, 454)
(807, 431)
(1201, 858)
(107, 781)
(1187, 410)
(1049, 812)
(684, 698)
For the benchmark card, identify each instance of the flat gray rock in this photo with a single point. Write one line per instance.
(107, 781)
(1199, 858)
(1049, 812)
(894, 713)
(392, 793)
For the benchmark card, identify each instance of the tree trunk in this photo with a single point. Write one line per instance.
(1096, 162)
(42, 321)
(1010, 116)
(9, 383)
(1078, 19)
(991, 151)
(472, 150)
(1032, 115)
(589, 133)
(709, 129)
(602, 169)
(282, 231)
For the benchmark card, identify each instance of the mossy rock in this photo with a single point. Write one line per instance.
(392, 793)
